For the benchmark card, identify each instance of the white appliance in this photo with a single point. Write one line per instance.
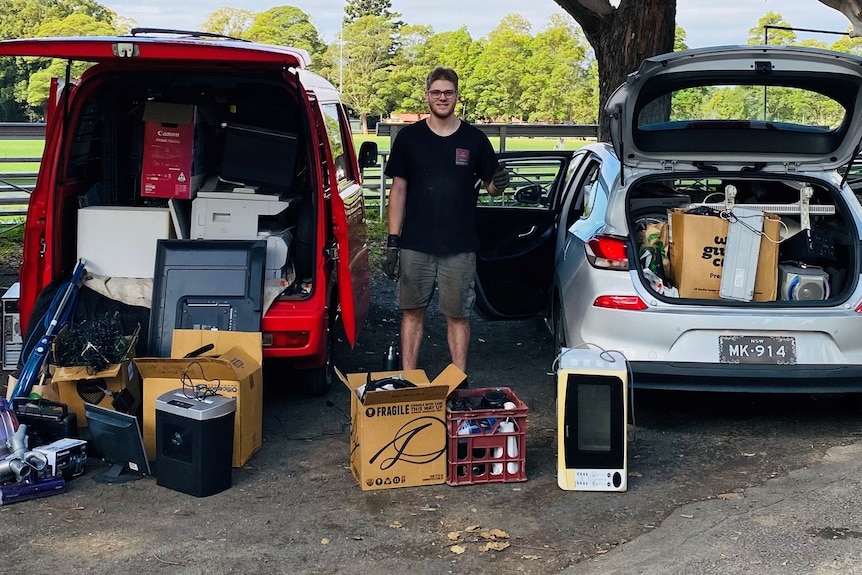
(592, 414)
(120, 241)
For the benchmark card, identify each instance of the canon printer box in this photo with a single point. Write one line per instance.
(173, 160)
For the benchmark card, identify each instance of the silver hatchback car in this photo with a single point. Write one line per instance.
(715, 243)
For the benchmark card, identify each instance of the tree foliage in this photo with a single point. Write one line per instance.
(287, 26)
(24, 83)
(229, 21)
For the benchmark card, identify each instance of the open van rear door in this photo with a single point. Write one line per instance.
(339, 251)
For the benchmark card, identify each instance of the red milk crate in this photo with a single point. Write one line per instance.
(485, 445)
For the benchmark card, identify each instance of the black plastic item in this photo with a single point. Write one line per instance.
(392, 359)
(46, 420)
(205, 284)
(494, 399)
(812, 247)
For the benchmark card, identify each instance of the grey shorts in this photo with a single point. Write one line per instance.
(453, 274)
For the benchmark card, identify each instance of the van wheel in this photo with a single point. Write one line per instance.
(317, 381)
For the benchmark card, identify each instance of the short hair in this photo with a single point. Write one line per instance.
(441, 73)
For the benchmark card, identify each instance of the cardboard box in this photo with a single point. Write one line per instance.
(66, 457)
(398, 437)
(697, 255)
(174, 163)
(232, 369)
(115, 379)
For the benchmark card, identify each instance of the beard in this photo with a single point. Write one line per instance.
(442, 115)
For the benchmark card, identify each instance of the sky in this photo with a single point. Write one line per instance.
(705, 23)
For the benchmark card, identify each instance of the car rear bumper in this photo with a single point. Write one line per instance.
(747, 378)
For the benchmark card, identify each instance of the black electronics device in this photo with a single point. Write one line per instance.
(205, 284)
(258, 158)
(116, 438)
(194, 442)
(46, 420)
(592, 416)
(810, 247)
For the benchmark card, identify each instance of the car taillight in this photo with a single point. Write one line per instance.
(606, 252)
(629, 302)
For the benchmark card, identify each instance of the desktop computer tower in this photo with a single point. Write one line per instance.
(592, 414)
(194, 442)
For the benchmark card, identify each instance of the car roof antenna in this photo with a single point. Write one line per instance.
(850, 164)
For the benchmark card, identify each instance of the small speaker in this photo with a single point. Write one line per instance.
(802, 284)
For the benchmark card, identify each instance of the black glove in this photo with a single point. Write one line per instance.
(501, 178)
(392, 267)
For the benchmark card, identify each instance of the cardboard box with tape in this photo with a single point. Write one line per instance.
(398, 436)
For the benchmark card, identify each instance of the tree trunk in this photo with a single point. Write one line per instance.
(621, 38)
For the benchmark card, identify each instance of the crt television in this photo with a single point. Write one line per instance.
(258, 158)
(592, 416)
(116, 438)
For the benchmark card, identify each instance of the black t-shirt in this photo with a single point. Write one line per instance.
(441, 174)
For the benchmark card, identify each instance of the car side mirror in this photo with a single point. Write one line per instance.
(528, 195)
(368, 154)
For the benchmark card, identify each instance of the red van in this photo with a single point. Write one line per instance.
(188, 136)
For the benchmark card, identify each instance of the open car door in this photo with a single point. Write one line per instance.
(517, 236)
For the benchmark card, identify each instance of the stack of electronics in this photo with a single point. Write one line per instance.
(29, 472)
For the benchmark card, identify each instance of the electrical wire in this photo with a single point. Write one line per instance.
(198, 391)
(606, 355)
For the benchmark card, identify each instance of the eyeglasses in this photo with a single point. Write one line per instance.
(436, 94)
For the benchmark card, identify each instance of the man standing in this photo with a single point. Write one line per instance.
(434, 165)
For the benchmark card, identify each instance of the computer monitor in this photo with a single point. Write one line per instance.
(205, 285)
(116, 438)
(258, 158)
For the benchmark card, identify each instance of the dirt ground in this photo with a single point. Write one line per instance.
(295, 507)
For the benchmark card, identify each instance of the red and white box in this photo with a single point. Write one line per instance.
(173, 158)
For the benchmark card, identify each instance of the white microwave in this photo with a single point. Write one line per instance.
(592, 414)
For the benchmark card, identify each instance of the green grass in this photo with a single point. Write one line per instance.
(20, 149)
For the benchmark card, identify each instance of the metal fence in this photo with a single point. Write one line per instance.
(18, 175)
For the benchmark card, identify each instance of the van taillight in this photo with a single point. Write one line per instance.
(606, 252)
(629, 302)
(286, 339)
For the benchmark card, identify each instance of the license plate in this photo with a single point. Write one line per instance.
(756, 349)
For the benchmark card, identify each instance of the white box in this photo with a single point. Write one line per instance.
(232, 215)
(120, 241)
(13, 339)
(66, 457)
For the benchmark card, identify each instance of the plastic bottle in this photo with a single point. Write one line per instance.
(392, 359)
(508, 426)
